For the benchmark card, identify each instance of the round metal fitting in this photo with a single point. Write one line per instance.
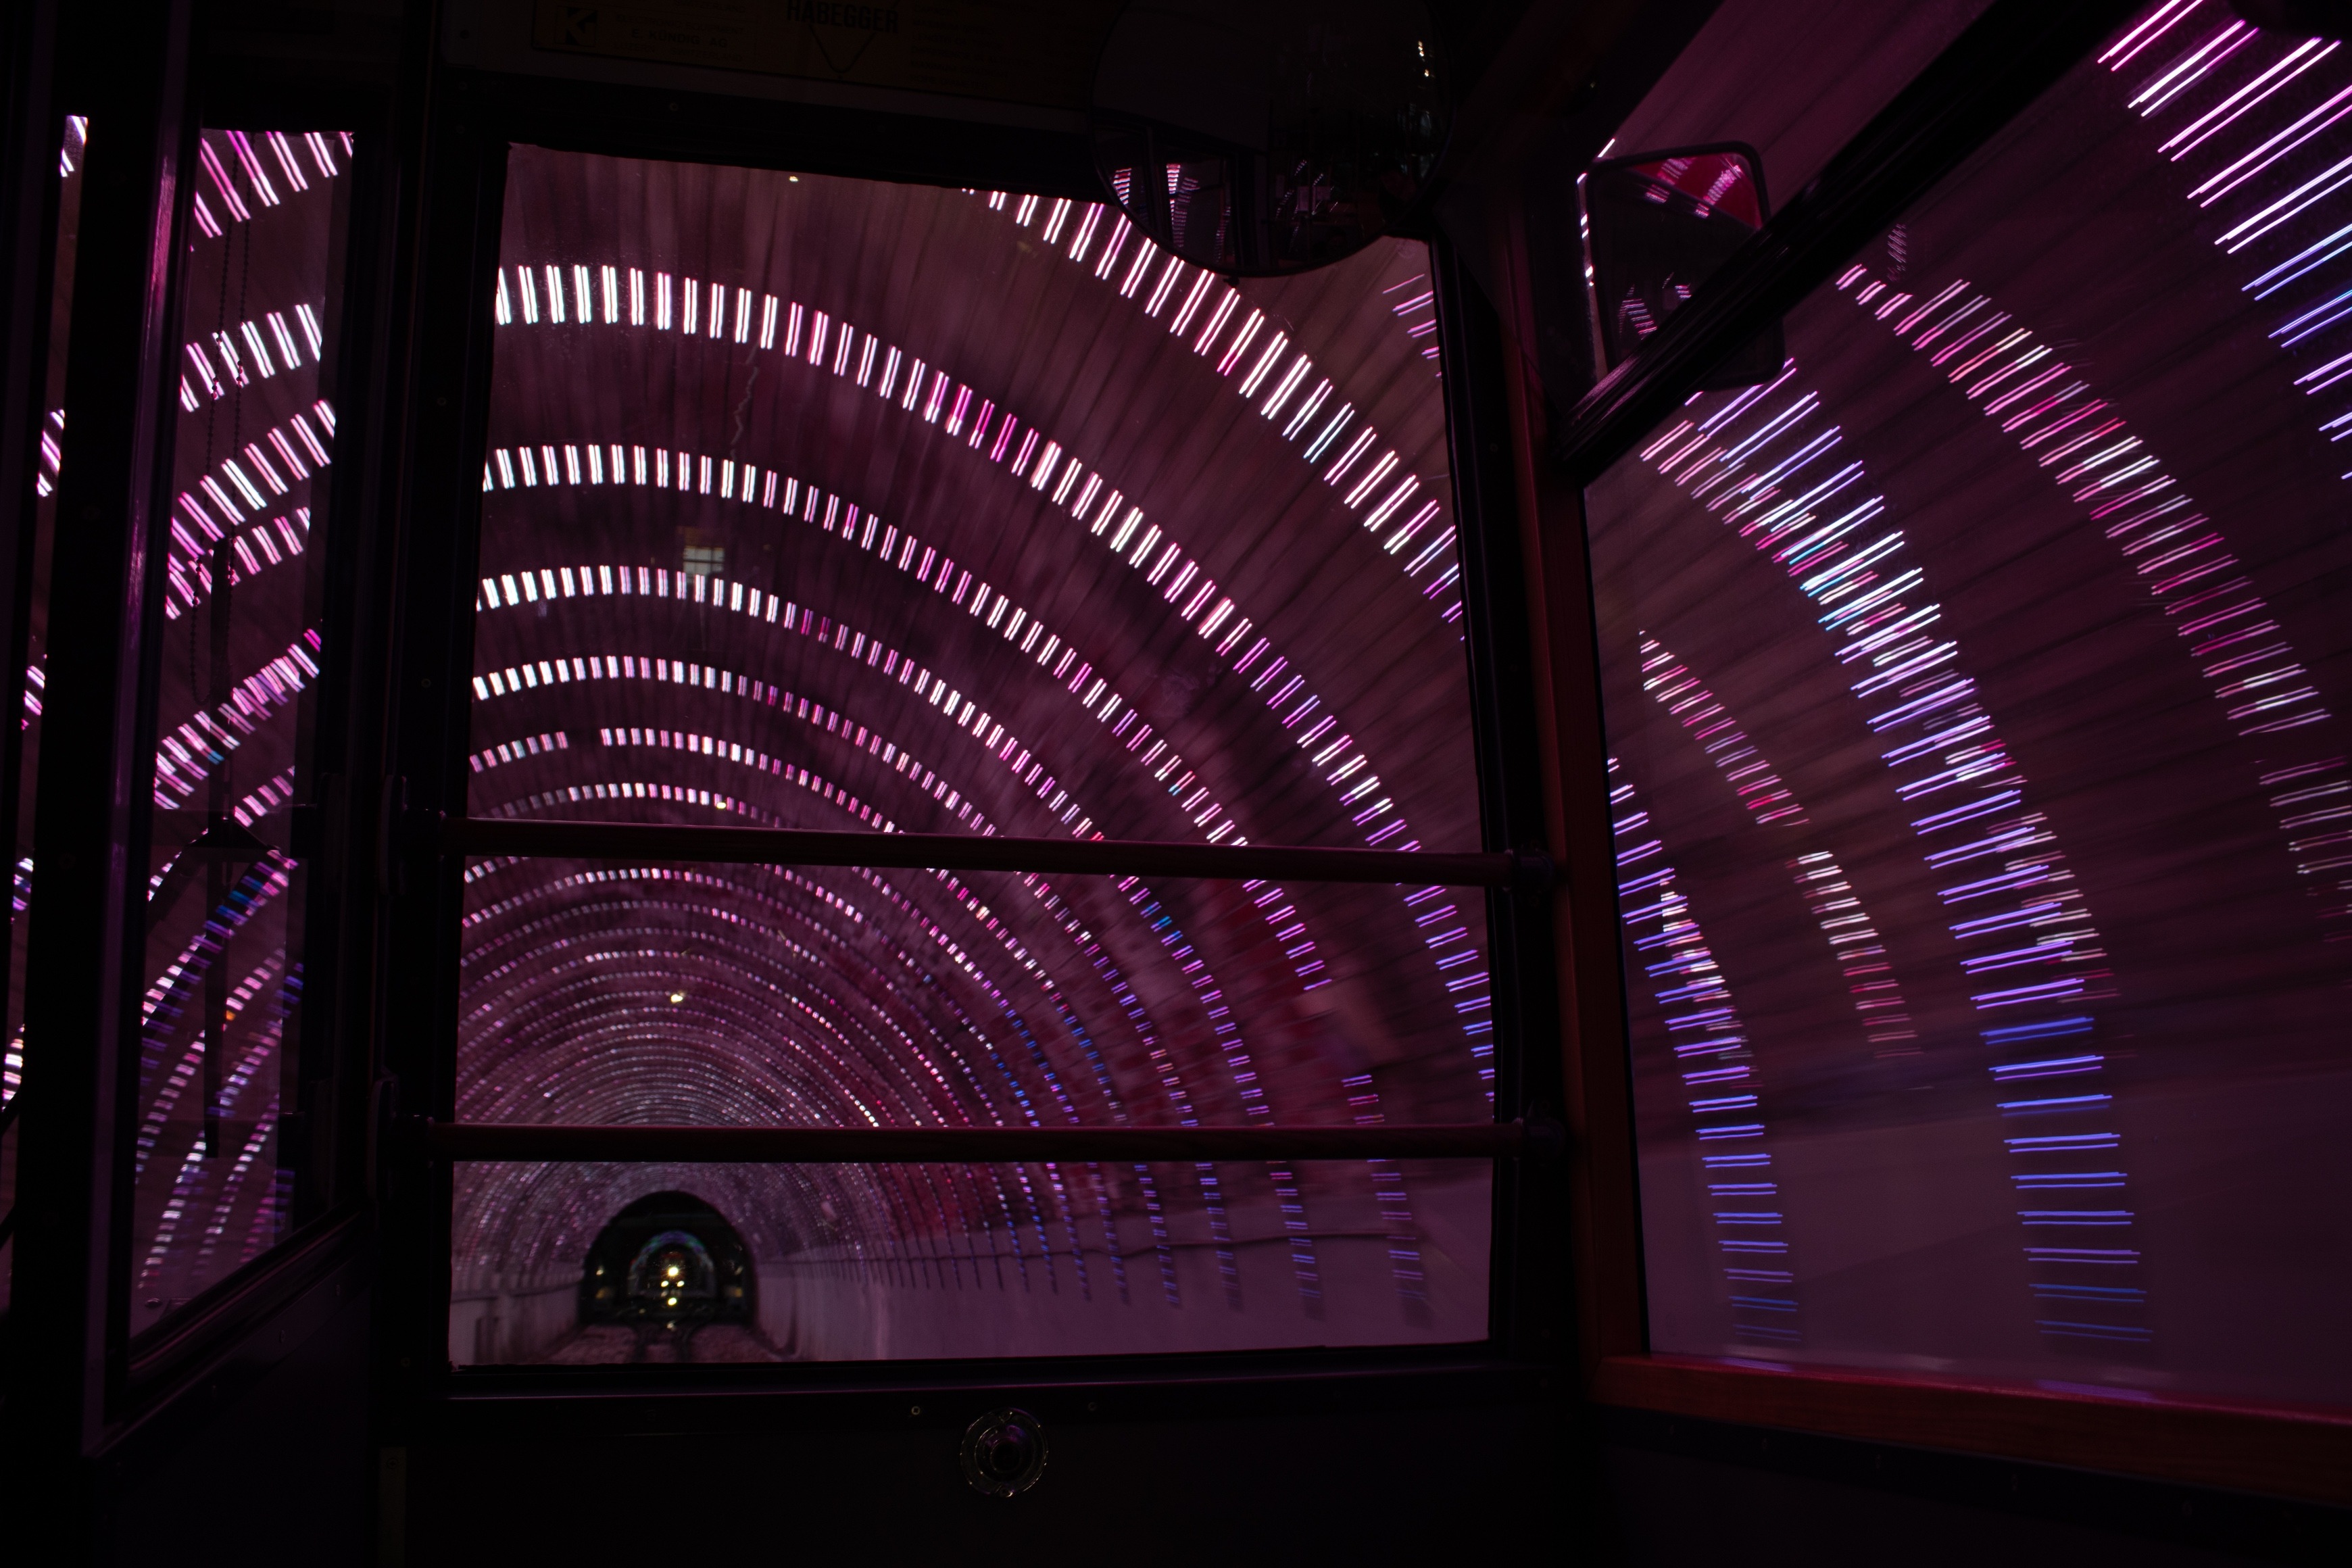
(1004, 1452)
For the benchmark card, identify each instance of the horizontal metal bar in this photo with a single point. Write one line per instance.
(957, 852)
(875, 1145)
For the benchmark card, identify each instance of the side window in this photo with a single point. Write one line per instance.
(220, 1170)
(822, 503)
(1975, 692)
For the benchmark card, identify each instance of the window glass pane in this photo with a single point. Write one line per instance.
(778, 1263)
(831, 504)
(74, 135)
(218, 1182)
(1976, 692)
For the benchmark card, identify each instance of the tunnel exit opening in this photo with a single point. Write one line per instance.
(666, 1272)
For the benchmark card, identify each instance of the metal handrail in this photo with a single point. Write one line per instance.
(1524, 869)
(877, 1145)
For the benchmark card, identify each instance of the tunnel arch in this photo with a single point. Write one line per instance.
(668, 1239)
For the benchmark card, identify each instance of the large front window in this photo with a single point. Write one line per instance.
(821, 503)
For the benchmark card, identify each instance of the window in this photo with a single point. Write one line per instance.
(1973, 695)
(220, 1169)
(828, 504)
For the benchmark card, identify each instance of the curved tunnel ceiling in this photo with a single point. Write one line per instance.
(822, 503)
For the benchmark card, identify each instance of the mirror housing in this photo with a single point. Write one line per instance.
(1657, 225)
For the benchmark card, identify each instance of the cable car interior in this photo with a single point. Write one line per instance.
(1136, 781)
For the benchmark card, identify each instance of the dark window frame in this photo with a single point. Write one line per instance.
(468, 139)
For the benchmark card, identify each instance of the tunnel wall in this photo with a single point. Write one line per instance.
(512, 1317)
(822, 1305)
